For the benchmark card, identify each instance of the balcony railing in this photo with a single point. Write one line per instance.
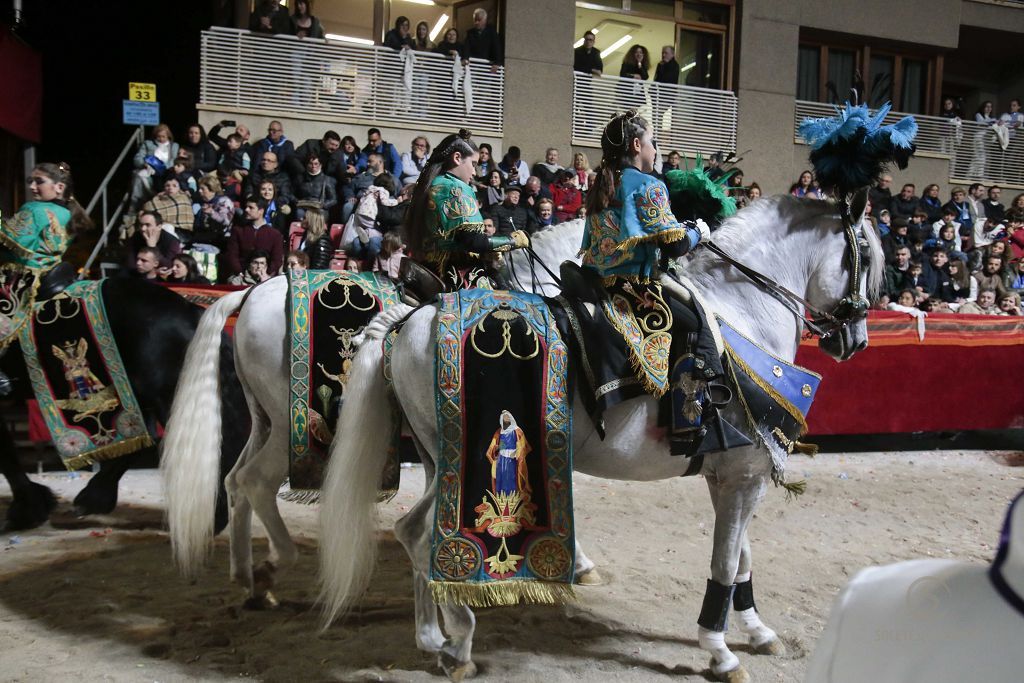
(685, 118)
(284, 75)
(974, 151)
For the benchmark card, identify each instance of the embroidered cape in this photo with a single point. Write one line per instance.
(452, 208)
(37, 237)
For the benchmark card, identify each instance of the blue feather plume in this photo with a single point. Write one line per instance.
(851, 149)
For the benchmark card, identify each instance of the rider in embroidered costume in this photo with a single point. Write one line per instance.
(631, 235)
(444, 225)
(31, 248)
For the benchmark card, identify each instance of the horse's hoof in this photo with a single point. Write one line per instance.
(773, 647)
(259, 603)
(737, 675)
(263, 577)
(591, 578)
(455, 670)
(95, 499)
(28, 512)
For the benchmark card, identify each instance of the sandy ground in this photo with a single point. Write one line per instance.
(98, 599)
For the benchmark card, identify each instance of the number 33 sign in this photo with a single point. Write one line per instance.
(142, 92)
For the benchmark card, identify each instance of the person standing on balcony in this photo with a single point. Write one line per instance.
(269, 17)
(450, 46)
(1014, 118)
(482, 41)
(303, 23)
(399, 37)
(587, 58)
(275, 142)
(421, 41)
(636, 66)
(667, 72)
(375, 144)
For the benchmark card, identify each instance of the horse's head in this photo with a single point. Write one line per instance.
(848, 272)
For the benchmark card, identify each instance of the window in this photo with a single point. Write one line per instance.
(827, 71)
(700, 59)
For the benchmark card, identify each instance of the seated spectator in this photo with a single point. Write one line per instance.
(905, 301)
(153, 158)
(1017, 203)
(897, 273)
(1015, 279)
(930, 203)
(257, 270)
(355, 189)
(1014, 118)
(993, 209)
(753, 192)
(269, 17)
(278, 212)
(484, 165)
(275, 142)
(509, 216)
(804, 187)
(327, 149)
(315, 186)
(918, 226)
(905, 203)
(965, 287)
(233, 166)
(297, 262)
(415, 160)
(735, 189)
(581, 165)
(985, 304)
(988, 232)
(182, 170)
(1015, 232)
(269, 170)
(450, 45)
(185, 270)
(392, 251)
(1009, 303)
(241, 130)
(216, 212)
(150, 233)
(533, 192)
(948, 219)
(881, 194)
(964, 210)
(421, 40)
(493, 193)
(303, 23)
(375, 144)
(548, 170)
(368, 240)
(545, 213)
(937, 283)
(512, 167)
(916, 278)
(316, 241)
(399, 37)
(147, 264)
(884, 223)
(352, 160)
(566, 197)
(991, 274)
(253, 234)
(204, 154)
(175, 207)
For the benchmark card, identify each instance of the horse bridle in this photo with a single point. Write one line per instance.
(851, 308)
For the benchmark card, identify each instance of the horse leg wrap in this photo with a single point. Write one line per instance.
(714, 613)
(743, 596)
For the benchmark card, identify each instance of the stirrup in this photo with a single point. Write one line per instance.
(419, 282)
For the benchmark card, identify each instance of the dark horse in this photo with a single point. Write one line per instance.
(152, 327)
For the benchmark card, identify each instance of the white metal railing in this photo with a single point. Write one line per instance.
(973, 149)
(686, 119)
(347, 82)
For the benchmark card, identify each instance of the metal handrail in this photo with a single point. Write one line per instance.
(109, 221)
(686, 118)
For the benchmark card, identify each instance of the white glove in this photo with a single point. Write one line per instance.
(703, 229)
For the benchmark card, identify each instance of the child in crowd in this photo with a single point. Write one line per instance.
(367, 245)
(182, 170)
(392, 251)
(917, 280)
(884, 222)
(233, 166)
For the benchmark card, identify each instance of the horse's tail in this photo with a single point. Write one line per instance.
(348, 512)
(190, 457)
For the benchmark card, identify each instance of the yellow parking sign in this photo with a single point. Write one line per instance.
(142, 92)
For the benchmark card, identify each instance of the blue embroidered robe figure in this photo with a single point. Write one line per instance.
(507, 453)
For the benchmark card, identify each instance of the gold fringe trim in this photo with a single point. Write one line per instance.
(501, 593)
(670, 235)
(114, 450)
(810, 449)
(634, 358)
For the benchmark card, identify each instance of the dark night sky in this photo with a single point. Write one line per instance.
(91, 49)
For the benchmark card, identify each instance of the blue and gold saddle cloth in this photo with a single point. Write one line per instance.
(503, 526)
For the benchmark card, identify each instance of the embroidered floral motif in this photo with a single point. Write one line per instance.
(653, 208)
(644, 320)
(603, 252)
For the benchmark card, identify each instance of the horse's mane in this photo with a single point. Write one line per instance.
(735, 233)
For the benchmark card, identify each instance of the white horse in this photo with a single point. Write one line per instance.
(799, 243)
(191, 445)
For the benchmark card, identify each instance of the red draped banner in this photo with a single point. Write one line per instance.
(966, 374)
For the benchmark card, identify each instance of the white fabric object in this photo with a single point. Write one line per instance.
(1002, 134)
(940, 621)
(722, 659)
(467, 89)
(457, 71)
(408, 65)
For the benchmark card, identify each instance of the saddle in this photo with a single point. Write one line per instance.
(608, 352)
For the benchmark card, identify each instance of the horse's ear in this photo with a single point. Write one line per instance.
(858, 203)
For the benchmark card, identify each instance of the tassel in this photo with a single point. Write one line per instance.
(810, 449)
(794, 488)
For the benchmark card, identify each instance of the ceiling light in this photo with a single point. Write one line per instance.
(616, 45)
(348, 39)
(422, 2)
(688, 67)
(438, 26)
